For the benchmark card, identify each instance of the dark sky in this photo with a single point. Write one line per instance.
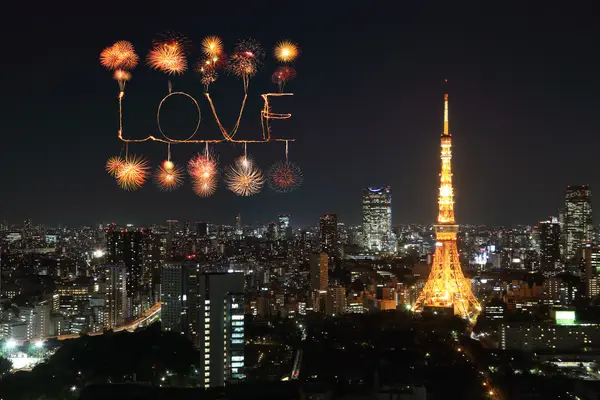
(524, 90)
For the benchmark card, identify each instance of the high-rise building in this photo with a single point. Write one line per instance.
(116, 294)
(549, 242)
(329, 234)
(447, 289)
(591, 260)
(238, 225)
(284, 230)
(578, 219)
(202, 229)
(319, 272)
(222, 321)
(377, 218)
(180, 310)
(125, 247)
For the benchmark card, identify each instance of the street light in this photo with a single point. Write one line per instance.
(39, 344)
(11, 343)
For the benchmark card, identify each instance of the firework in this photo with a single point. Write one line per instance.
(205, 187)
(168, 165)
(246, 60)
(173, 38)
(244, 178)
(168, 57)
(250, 48)
(168, 179)
(282, 75)
(121, 76)
(212, 46)
(286, 51)
(203, 166)
(120, 55)
(113, 165)
(133, 173)
(284, 176)
(207, 71)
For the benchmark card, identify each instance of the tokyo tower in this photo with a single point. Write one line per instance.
(447, 288)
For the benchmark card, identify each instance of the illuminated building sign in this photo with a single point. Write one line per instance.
(565, 317)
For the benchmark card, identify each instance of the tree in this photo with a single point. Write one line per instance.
(5, 366)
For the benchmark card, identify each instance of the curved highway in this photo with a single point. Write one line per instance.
(146, 318)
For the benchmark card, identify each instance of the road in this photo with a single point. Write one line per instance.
(148, 317)
(493, 392)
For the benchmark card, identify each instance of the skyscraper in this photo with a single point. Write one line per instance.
(126, 248)
(549, 232)
(578, 219)
(319, 272)
(222, 321)
(329, 234)
(591, 258)
(377, 218)
(180, 311)
(115, 295)
(284, 230)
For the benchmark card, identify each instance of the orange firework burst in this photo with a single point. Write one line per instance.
(282, 75)
(168, 178)
(133, 173)
(120, 55)
(244, 178)
(212, 46)
(203, 166)
(168, 57)
(122, 76)
(113, 165)
(205, 187)
(286, 51)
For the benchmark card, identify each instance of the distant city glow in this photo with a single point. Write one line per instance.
(98, 254)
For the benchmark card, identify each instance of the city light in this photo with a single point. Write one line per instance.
(98, 253)
(11, 343)
(39, 344)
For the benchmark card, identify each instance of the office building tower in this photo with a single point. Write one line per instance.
(591, 261)
(549, 244)
(377, 218)
(125, 248)
(337, 298)
(319, 272)
(222, 321)
(284, 230)
(238, 224)
(329, 234)
(202, 229)
(578, 220)
(115, 295)
(180, 299)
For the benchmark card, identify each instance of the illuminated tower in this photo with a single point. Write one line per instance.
(446, 287)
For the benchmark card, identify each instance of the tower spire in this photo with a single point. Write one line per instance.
(446, 287)
(446, 126)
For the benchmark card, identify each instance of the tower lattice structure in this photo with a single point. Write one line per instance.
(446, 286)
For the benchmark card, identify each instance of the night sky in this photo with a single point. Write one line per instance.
(524, 113)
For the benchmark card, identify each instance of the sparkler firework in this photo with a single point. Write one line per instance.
(284, 176)
(113, 165)
(168, 178)
(286, 51)
(204, 187)
(133, 173)
(168, 57)
(121, 76)
(121, 55)
(212, 46)
(282, 75)
(244, 178)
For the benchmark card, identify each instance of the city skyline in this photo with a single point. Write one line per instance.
(506, 123)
